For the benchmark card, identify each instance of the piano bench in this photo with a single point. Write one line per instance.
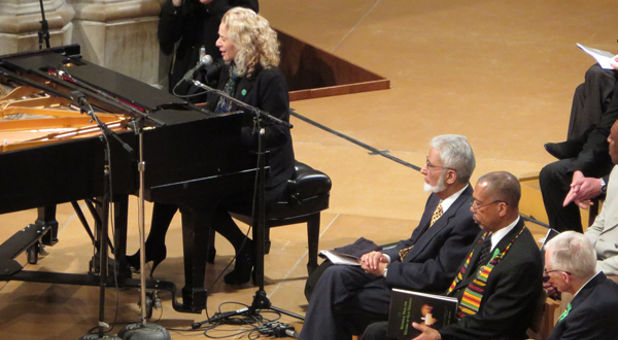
(308, 193)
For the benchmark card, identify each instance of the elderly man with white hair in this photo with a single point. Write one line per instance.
(570, 266)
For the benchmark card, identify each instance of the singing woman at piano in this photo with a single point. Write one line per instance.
(250, 50)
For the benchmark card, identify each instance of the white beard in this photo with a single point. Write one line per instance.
(441, 186)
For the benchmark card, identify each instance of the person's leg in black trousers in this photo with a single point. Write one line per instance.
(555, 180)
(338, 291)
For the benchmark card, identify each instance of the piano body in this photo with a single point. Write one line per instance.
(188, 151)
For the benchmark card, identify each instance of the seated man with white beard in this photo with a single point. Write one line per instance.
(347, 298)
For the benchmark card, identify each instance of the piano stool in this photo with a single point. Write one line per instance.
(308, 194)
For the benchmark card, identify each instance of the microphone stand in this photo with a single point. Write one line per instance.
(142, 330)
(260, 300)
(44, 32)
(85, 107)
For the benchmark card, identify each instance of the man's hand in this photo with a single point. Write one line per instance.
(374, 263)
(177, 3)
(551, 290)
(428, 333)
(583, 189)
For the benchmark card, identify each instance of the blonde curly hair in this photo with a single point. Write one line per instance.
(255, 41)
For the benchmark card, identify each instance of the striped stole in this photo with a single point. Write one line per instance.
(470, 302)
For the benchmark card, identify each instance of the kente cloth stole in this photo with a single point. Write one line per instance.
(470, 302)
(437, 213)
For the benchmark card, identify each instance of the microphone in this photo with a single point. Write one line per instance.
(278, 330)
(204, 61)
(82, 102)
(220, 316)
(291, 333)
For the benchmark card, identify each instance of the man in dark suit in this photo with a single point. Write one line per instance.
(427, 260)
(585, 151)
(570, 266)
(499, 284)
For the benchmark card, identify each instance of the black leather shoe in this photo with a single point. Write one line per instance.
(563, 150)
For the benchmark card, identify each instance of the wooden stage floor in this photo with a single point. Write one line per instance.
(500, 72)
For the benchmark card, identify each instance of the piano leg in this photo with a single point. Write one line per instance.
(121, 212)
(46, 218)
(195, 244)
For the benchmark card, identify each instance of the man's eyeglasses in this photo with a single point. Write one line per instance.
(433, 166)
(546, 272)
(476, 204)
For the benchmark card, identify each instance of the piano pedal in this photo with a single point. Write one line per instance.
(42, 250)
(35, 251)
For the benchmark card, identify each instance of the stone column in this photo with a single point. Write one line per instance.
(120, 35)
(20, 24)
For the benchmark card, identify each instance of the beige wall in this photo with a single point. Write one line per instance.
(117, 34)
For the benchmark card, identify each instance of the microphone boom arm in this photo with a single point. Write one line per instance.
(259, 113)
(86, 108)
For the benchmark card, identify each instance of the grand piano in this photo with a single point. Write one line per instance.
(189, 152)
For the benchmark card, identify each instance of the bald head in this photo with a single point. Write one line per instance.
(502, 186)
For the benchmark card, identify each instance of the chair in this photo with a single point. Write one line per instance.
(543, 318)
(308, 193)
(594, 210)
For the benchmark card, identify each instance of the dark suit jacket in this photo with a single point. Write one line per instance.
(511, 294)
(593, 159)
(267, 90)
(594, 313)
(433, 262)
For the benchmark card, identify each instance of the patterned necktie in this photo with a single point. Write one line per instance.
(484, 254)
(436, 214)
(434, 217)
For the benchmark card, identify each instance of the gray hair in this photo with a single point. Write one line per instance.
(456, 154)
(503, 186)
(572, 252)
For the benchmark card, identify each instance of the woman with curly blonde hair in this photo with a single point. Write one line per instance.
(254, 40)
(250, 50)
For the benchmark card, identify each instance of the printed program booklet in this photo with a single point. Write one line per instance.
(604, 58)
(551, 232)
(351, 253)
(409, 306)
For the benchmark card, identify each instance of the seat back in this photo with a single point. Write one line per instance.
(543, 318)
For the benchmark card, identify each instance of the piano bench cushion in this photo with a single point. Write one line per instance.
(307, 182)
(308, 193)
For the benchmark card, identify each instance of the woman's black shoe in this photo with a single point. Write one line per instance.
(245, 261)
(155, 256)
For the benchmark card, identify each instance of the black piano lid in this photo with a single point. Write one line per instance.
(129, 89)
